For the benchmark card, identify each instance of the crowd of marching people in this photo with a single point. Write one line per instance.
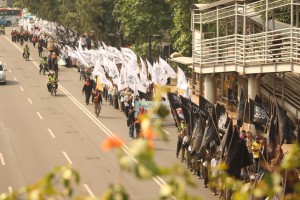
(242, 150)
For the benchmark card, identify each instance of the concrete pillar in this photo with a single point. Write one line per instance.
(253, 90)
(210, 88)
(252, 86)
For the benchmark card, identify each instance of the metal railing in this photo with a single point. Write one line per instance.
(274, 46)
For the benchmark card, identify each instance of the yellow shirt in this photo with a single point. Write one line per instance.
(255, 148)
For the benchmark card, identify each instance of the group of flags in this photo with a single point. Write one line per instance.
(121, 67)
(210, 125)
(105, 58)
(270, 118)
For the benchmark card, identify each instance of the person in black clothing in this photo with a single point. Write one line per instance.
(87, 89)
(130, 122)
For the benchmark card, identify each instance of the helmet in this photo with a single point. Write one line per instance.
(26, 45)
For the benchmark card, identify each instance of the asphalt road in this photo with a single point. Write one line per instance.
(39, 132)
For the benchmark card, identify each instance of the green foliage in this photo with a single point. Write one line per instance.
(139, 19)
(58, 184)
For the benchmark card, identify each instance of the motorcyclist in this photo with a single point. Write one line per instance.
(44, 64)
(26, 49)
(51, 79)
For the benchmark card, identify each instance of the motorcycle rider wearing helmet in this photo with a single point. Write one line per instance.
(43, 63)
(26, 49)
(51, 79)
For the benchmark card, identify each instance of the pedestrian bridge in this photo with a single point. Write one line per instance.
(248, 54)
(235, 36)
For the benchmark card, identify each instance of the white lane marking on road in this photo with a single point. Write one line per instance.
(166, 131)
(67, 157)
(51, 133)
(125, 148)
(22, 88)
(5, 64)
(2, 159)
(9, 70)
(10, 190)
(92, 117)
(39, 114)
(29, 100)
(15, 79)
(89, 191)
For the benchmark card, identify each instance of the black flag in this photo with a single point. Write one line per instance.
(198, 135)
(174, 100)
(241, 110)
(211, 131)
(174, 104)
(205, 106)
(185, 108)
(222, 117)
(258, 114)
(272, 132)
(283, 126)
(225, 143)
(238, 155)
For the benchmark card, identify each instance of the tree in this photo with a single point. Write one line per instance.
(140, 19)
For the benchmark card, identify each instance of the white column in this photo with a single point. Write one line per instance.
(251, 86)
(253, 90)
(210, 88)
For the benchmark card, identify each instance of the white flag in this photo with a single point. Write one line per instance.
(143, 74)
(158, 76)
(149, 67)
(122, 84)
(133, 80)
(181, 79)
(188, 92)
(169, 71)
(128, 52)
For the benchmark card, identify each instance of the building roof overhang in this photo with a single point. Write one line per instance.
(182, 60)
(221, 3)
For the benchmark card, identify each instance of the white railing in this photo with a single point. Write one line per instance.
(267, 47)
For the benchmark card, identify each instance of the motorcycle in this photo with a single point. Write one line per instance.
(21, 42)
(43, 68)
(26, 55)
(53, 89)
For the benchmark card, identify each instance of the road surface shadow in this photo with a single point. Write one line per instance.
(10, 82)
(161, 149)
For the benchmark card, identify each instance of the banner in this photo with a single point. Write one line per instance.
(147, 105)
